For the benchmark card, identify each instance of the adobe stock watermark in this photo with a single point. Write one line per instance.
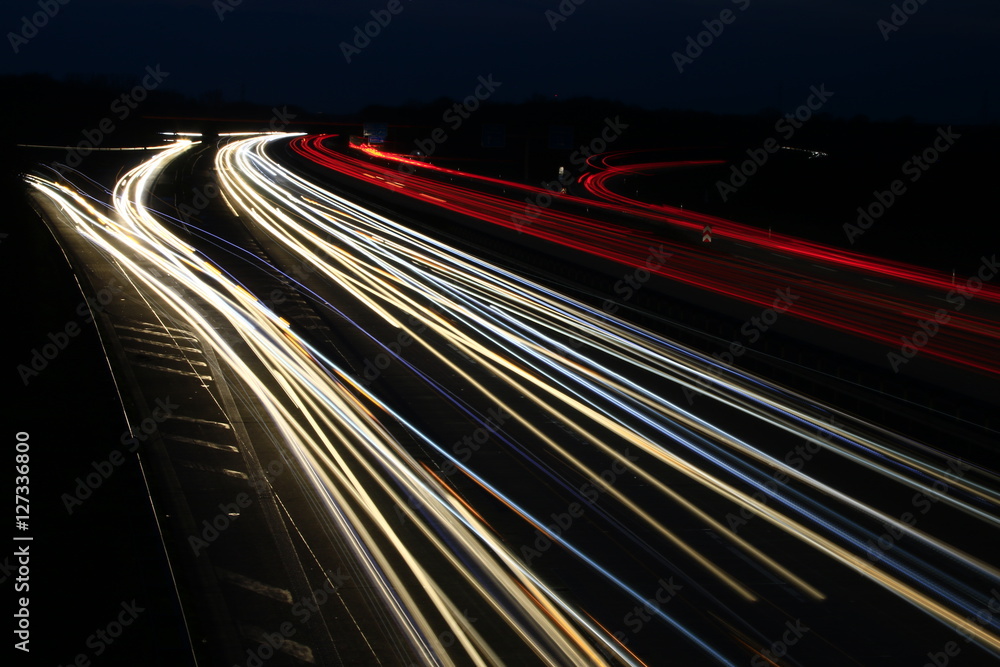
(785, 127)
(103, 638)
(447, 637)
(121, 108)
(275, 468)
(223, 7)
(22, 616)
(793, 634)
(102, 470)
(372, 368)
(796, 458)
(922, 503)
(30, 25)
(230, 512)
(534, 205)
(751, 331)
(563, 521)
(463, 449)
(983, 618)
(631, 283)
(453, 117)
(220, 523)
(563, 11)
(363, 35)
(914, 168)
(202, 197)
(640, 615)
(898, 17)
(280, 118)
(929, 328)
(469, 444)
(706, 38)
(199, 200)
(302, 611)
(42, 356)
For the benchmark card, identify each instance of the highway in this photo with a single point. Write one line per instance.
(879, 300)
(517, 476)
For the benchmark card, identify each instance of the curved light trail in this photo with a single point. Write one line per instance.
(502, 336)
(512, 327)
(874, 313)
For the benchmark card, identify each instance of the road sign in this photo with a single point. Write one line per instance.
(376, 132)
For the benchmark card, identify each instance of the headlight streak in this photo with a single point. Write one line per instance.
(883, 469)
(707, 431)
(501, 323)
(968, 340)
(900, 459)
(401, 477)
(672, 411)
(312, 394)
(295, 244)
(743, 591)
(947, 499)
(205, 331)
(791, 419)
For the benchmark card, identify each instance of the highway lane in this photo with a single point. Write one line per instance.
(256, 202)
(927, 399)
(585, 399)
(907, 309)
(922, 396)
(245, 581)
(341, 450)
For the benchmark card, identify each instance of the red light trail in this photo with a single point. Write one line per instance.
(889, 316)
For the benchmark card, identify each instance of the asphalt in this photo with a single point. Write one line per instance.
(216, 444)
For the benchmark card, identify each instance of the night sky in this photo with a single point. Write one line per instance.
(939, 66)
